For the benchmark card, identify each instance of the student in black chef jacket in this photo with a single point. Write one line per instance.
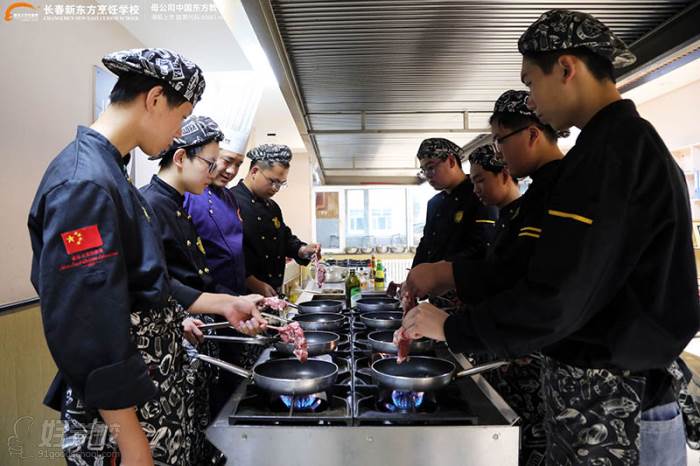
(523, 146)
(528, 148)
(267, 241)
(188, 166)
(612, 280)
(456, 222)
(98, 266)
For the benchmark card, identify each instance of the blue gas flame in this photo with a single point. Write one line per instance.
(301, 403)
(405, 401)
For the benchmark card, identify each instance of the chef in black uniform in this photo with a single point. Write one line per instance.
(456, 221)
(612, 281)
(527, 147)
(267, 241)
(98, 266)
(189, 166)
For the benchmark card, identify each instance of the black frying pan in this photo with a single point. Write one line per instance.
(318, 342)
(285, 376)
(422, 373)
(377, 304)
(382, 341)
(320, 306)
(384, 320)
(320, 321)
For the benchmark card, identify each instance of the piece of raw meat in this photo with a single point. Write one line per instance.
(293, 333)
(403, 342)
(320, 271)
(275, 303)
(408, 303)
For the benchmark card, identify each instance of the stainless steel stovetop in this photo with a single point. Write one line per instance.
(357, 422)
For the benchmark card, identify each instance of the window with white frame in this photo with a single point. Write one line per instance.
(371, 216)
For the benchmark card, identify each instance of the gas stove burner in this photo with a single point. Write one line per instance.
(301, 404)
(405, 401)
(398, 401)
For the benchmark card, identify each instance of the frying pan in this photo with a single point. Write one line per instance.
(318, 342)
(382, 341)
(323, 321)
(320, 306)
(382, 320)
(285, 376)
(377, 304)
(320, 321)
(422, 373)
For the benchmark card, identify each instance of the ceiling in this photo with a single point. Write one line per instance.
(367, 80)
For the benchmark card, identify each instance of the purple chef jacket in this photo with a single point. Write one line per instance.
(216, 218)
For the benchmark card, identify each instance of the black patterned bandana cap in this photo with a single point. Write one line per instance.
(564, 29)
(184, 76)
(516, 102)
(438, 148)
(272, 153)
(196, 131)
(487, 157)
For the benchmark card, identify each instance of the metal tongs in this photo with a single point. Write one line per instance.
(274, 317)
(256, 340)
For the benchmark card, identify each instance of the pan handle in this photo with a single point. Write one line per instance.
(226, 366)
(262, 341)
(482, 368)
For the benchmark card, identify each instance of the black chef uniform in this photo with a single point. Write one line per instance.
(184, 251)
(612, 281)
(517, 232)
(267, 241)
(456, 223)
(99, 268)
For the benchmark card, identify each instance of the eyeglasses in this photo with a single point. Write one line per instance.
(211, 165)
(276, 185)
(498, 141)
(430, 171)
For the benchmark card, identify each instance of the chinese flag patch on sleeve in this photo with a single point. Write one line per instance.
(82, 239)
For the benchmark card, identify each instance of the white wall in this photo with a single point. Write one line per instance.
(47, 86)
(676, 115)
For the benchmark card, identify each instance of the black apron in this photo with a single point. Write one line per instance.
(168, 420)
(520, 385)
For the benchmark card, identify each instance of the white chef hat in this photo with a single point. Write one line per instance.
(234, 141)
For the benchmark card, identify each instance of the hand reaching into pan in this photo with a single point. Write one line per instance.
(425, 320)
